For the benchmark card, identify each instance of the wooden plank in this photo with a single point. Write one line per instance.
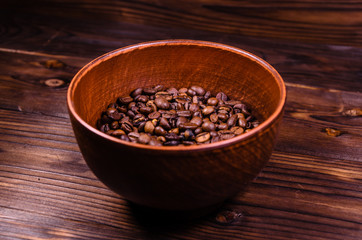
(321, 65)
(310, 112)
(285, 201)
(336, 22)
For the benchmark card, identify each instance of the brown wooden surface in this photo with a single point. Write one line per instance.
(310, 189)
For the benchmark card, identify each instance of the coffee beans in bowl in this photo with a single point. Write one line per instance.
(168, 116)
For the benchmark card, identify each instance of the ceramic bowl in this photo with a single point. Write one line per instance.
(176, 177)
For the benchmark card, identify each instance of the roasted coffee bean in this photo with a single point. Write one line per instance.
(202, 137)
(255, 124)
(232, 121)
(145, 110)
(105, 128)
(182, 99)
(170, 117)
(212, 101)
(118, 133)
(162, 103)
(199, 90)
(226, 134)
(173, 91)
(135, 109)
(172, 136)
(125, 100)
(149, 127)
(237, 130)
(215, 139)
(232, 103)
(222, 126)
(159, 87)
(181, 120)
(149, 91)
(122, 109)
(131, 114)
(152, 105)
(198, 130)
(182, 90)
(239, 106)
(127, 127)
(173, 122)
(144, 138)
(207, 95)
(133, 136)
(191, 92)
(195, 100)
(222, 116)
(208, 110)
(222, 96)
(154, 122)
(188, 134)
(124, 119)
(140, 105)
(165, 95)
(114, 125)
(214, 118)
(141, 98)
(138, 119)
(112, 105)
(105, 118)
(194, 107)
(154, 142)
(141, 127)
(197, 114)
(124, 138)
(136, 92)
(115, 115)
(189, 125)
(208, 126)
(154, 115)
(160, 131)
(213, 134)
(241, 120)
(164, 123)
(161, 139)
(131, 105)
(184, 113)
(110, 111)
(175, 130)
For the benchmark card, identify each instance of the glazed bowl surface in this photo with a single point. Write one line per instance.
(176, 177)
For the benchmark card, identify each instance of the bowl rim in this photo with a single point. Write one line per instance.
(245, 137)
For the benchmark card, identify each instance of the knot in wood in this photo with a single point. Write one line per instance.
(54, 82)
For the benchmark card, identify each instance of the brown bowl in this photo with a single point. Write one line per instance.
(178, 177)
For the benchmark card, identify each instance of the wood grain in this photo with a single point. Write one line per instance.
(336, 22)
(320, 65)
(310, 189)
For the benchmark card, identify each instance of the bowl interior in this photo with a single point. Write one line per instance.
(215, 67)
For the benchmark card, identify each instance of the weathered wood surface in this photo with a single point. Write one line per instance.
(312, 186)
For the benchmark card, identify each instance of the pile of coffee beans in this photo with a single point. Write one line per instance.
(169, 117)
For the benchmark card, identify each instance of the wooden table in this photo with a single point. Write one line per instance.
(312, 186)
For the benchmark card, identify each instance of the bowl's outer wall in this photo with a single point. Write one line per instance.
(177, 179)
